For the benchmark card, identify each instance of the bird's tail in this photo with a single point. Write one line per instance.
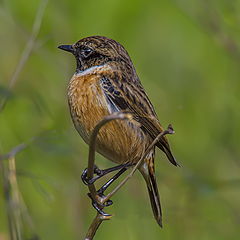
(148, 172)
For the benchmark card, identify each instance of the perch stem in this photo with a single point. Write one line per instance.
(92, 146)
(91, 159)
(95, 225)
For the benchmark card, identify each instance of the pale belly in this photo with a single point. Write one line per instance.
(120, 141)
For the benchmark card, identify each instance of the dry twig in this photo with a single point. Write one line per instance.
(17, 212)
(91, 159)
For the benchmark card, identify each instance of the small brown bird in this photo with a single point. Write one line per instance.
(105, 82)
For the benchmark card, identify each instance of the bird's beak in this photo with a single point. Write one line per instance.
(68, 48)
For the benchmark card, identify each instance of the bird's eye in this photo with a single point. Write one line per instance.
(86, 52)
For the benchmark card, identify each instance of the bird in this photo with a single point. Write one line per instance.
(106, 82)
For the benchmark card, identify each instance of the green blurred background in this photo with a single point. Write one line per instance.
(187, 56)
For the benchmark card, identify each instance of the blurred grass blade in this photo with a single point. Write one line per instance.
(27, 50)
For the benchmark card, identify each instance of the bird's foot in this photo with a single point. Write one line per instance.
(99, 173)
(98, 205)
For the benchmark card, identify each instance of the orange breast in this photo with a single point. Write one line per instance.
(119, 141)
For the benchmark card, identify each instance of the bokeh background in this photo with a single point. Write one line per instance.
(187, 54)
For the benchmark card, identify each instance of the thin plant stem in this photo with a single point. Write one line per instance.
(17, 212)
(27, 50)
(6, 192)
(92, 146)
(11, 196)
(15, 199)
(91, 160)
(95, 225)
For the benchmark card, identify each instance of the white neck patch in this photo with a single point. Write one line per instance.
(94, 70)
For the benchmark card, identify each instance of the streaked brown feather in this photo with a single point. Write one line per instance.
(118, 140)
(105, 82)
(128, 99)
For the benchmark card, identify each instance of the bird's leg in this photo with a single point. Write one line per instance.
(98, 206)
(110, 181)
(100, 173)
(84, 174)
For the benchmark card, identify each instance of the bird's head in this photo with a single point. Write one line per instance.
(97, 50)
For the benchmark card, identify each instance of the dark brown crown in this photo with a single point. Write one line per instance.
(98, 50)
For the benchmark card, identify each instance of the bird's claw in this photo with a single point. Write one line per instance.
(99, 206)
(87, 181)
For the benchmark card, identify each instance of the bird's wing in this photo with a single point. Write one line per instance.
(132, 97)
